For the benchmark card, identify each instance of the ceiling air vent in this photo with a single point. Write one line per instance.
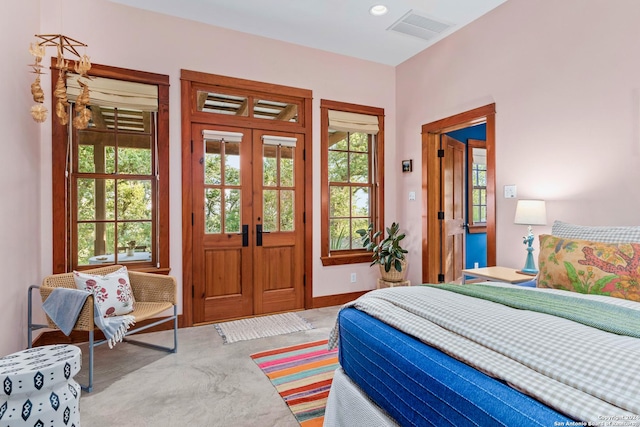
(421, 26)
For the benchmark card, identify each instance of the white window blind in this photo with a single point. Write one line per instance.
(279, 140)
(115, 93)
(343, 121)
(220, 135)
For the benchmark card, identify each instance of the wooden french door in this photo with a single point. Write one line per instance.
(248, 237)
(453, 201)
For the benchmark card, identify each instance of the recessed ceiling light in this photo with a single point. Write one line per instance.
(378, 10)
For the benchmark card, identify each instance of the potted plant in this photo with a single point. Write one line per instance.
(386, 251)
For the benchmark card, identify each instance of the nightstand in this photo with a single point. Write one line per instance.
(384, 284)
(497, 274)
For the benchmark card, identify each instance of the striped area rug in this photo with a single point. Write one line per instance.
(302, 374)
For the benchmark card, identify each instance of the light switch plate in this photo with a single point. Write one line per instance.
(412, 195)
(509, 191)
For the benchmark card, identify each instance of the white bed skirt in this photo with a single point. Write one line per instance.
(348, 406)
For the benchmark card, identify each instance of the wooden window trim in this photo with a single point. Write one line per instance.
(353, 256)
(473, 228)
(60, 135)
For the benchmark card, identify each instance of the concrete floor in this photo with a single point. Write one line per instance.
(206, 383)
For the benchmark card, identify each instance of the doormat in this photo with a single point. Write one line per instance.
(302, 375)
(261, 327)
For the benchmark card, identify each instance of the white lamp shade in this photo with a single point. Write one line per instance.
(531, 212)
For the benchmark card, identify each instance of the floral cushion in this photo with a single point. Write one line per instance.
(112, 292)
(587, 267)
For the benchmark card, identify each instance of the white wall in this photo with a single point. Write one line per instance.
(20, 237)
(565, 77)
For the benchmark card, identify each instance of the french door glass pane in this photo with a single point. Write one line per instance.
(270, 210)
(269, 166)
(286, 210)
(232, 213)
(287, 166)
(232, 163)
(212, 211)
(213, 162)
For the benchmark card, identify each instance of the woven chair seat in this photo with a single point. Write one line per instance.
(153, 295)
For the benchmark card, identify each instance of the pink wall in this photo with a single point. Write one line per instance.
(126, 37)
(564, 77)
(20, 217)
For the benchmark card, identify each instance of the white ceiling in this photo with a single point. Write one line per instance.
(339, 26)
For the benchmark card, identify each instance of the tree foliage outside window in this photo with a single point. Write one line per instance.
(479, 193)
(350, 186)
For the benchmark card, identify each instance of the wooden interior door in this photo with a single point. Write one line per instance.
(278, 196)
(453, 206)
(248, 230)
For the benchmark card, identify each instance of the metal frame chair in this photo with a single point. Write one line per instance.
(153, 294)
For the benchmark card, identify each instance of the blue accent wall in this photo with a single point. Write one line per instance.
(476, 250)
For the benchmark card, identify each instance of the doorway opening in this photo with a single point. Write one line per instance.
(445, 214)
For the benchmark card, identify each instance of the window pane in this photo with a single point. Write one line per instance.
(270, 210)
(232, 211)
(360, 202)
(134, 199)
(338, 162)
(359, 168)
(136, 159)
(135, 236)
(212, 211)
(358, 224)
(359, 141)
(339, 202)
(219, 103)
(269, 166)
(86, 162)
(96, 199)
(95, 242)
(338, 141)
(274, 110)
(286, 166)
(232, 163)
(213, 162)
(339, 234)
(286, 210)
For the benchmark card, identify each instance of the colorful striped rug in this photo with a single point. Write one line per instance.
(302, 374)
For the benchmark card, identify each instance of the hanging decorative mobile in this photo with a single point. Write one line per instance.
(62, 43)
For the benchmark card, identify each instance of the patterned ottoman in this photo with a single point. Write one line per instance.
(38, 389)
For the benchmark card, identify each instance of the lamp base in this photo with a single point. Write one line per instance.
(528, 272)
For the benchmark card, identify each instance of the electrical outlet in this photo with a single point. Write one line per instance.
(353, 277)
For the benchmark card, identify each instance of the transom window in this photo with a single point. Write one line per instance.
(352, 147)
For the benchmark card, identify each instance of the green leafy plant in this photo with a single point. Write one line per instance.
(385, 251)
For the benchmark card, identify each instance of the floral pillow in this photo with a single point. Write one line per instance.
(587, 267)
(112, 292)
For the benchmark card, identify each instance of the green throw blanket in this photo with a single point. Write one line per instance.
(600, 315)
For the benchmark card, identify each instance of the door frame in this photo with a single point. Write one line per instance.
(303, 97)
(431, 185)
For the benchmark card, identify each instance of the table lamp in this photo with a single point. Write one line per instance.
(530, 212)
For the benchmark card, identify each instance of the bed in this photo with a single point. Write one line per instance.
(563, 353)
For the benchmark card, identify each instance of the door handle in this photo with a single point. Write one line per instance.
(259, 234)
(245, 235)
